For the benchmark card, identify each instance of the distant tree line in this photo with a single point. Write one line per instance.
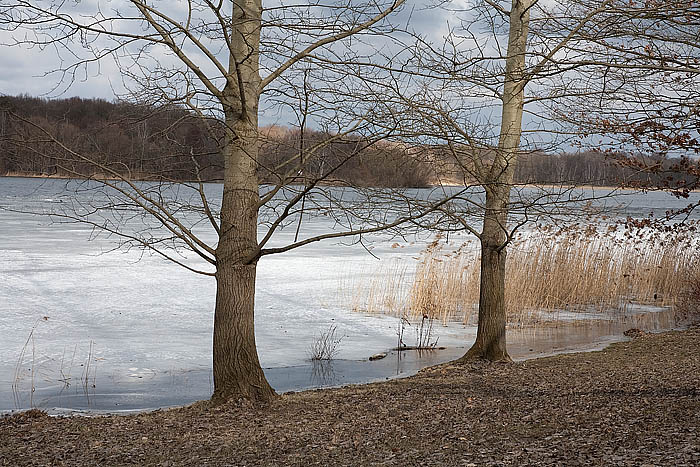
(133, 140)
(168, 142)
(606, 169)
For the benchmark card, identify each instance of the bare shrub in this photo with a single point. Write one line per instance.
(326, 345)
(424, 334)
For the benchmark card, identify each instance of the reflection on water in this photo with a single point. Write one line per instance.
(592, 333)
(323, 373)
(143, 389)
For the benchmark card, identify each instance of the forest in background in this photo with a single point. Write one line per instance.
(149, 142)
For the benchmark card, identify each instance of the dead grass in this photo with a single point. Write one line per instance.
(546, 272)
(374, 294)
(688, 305)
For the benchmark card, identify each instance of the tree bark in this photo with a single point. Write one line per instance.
(490, 341)
(237, 370)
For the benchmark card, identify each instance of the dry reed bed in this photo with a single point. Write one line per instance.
(546, 273)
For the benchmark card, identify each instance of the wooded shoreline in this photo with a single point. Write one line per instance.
(150, 142)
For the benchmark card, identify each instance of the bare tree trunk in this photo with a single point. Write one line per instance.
(490, 341)
(237, 371)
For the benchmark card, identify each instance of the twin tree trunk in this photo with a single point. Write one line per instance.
(490, 341)
(237, 370)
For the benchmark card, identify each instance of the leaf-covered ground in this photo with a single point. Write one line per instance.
(635, 403)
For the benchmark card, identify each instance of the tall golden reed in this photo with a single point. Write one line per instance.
(546, 273)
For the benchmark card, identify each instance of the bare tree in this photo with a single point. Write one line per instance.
(218, 59)
(484, 65)
(495, 87)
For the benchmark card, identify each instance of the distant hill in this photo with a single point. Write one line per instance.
(97, 138)
(94, 137)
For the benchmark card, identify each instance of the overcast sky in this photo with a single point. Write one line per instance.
(27, 70)
(24, 70)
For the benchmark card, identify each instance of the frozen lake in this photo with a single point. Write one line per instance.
(94, 329)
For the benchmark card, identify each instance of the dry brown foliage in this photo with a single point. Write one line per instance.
(581, 271)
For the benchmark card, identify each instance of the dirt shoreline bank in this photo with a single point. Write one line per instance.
(633, 403)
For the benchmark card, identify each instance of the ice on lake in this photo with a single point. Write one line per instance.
(93, 329)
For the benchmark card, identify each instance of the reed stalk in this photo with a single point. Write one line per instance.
(545, 274)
